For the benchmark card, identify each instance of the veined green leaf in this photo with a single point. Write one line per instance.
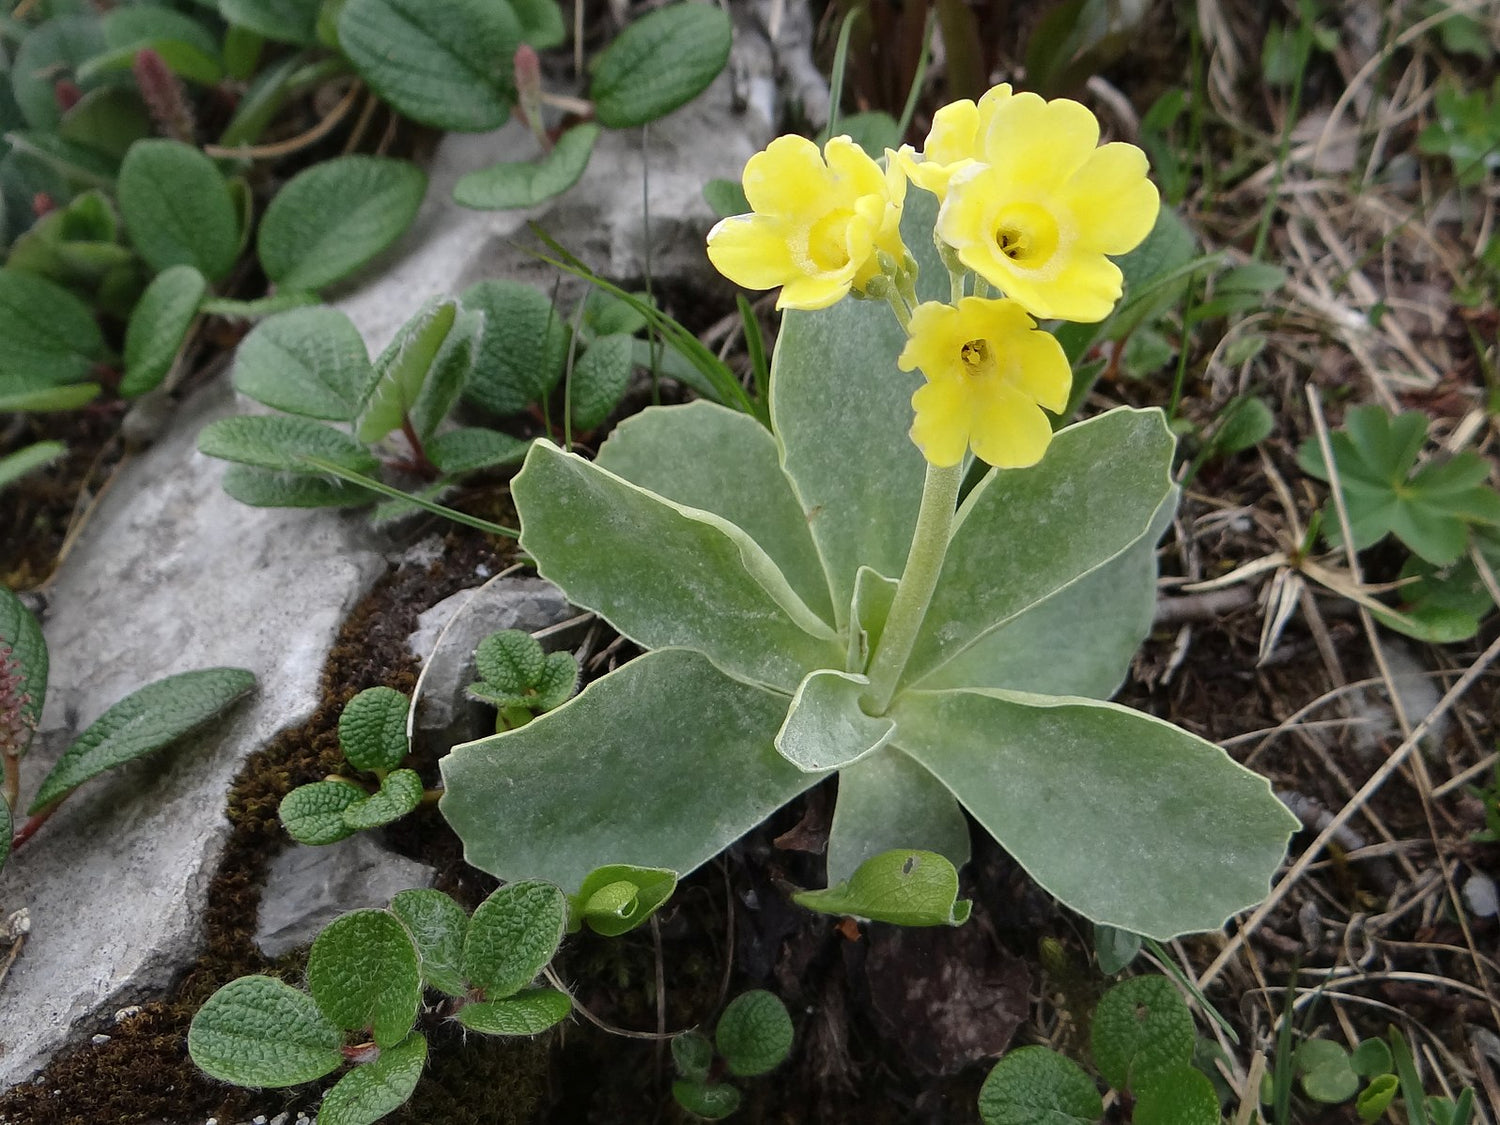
(363, 972)
(259, 1031)
(158, 326)
(529, 1012)
(908, 888)
(280, 442)
(525, 183)
(438, 925)
(286, 21)
(402, 369)
(658, 63)
(512, 936)
(373, 1089)
(178, 208)
(47, 335)
(307, 361)
(23, 663)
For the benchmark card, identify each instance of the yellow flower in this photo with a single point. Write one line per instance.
(1038, 216)
(816, 225)
(953, 142)
(989, 372)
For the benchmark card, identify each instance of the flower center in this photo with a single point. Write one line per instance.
(978, 359)
(827, 242)
(1026, 234)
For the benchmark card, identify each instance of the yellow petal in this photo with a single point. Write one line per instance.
(817, 292)
(1111, 199)
(1037, 142)
(1085, 288)
(1040, 368)
(935, 335)
(941, 427)
(954, 135)
(752, 251)
(788, 179)
(855, 173)
(1009, 430)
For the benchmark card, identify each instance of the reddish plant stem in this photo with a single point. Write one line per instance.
(420, 460)
(28, 830)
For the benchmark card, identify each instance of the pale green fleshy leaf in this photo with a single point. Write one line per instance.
(826, 728)
(1127, 819)
(1089, 631)
(662, 763)
(618, 897)
(664, 574)
(372, 1090)
(888, 802)
(1024, 534)
(723, 461)
(903, 887)
(873, 595)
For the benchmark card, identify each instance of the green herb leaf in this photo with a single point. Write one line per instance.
(528, 1012)
(144, 721)
(1376, 1098)
(307, 361)
(557, 683)
(469, 449)
(693, 1054)
(660, 62)
(1035, 1086)
(1115, 949)
(542, 23)
(447, 65)
(259, 1031)
(1182, 1095)
(363, 972)
(726, 198)
(437, 924)
(314, 814)
(372, 1090)
(261, 488)
(754, 1033)
(399, 794)
(281, 442)
(522, 350)
(1371, 1058)
(28, 459)
(402, 369)
(372, 729)
(286, 21)
(178, 208)
(47, 335)
(599, 380)
(525, 183)
(334, 217)
(615, 899)
(907, 888)
(513, 934)
(712, 1103)
(158, 326)
(44, 399)
(23, 665)
(888, 803)
(1141, 1029)
(260, 307)
(54, 50)
(510, 660)
(449, 374)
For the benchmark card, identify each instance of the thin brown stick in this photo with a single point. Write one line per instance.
(292, 144)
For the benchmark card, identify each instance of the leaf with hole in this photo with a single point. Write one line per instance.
(363, 972)
(332, 218)
(660, 62)
(907, 888)
(145, 721)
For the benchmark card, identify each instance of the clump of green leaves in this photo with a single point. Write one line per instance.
(1466, 131)
(1143, 1044)
(753, 1037)
(519, 679)
(1435, 509)
(145, 721)
(372, 735)
(366, 976)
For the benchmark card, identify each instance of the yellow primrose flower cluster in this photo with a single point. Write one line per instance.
(1031, 205)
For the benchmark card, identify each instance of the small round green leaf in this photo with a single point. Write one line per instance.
(314, 814)
(283, 443)
(47, 335)
(144, 721)
(523, 349)
(1376, 1098)
(693, 1054)
(372, 729)
(158, 326)
(334, 217)
(712, 1103)
(447, 65)
(1141, 1027)
(399, 794)
(259, 1031)
(286, 21)
(512, 936)
(617, 898)
(54, 50)
(908, 888)
(471, 448)
(525, 183)
(659, 63)
(754, 1033)
(1328, 1075)
(370, 1091)
(1035, 1086)
(263, 489)
(1115, 948)
(178, 208)
(1371, 1058)
(529, 1012)
(599, 380)
(438, 925)
(510, 660)
(306, 361)
(1182, 1095)
(364, 973)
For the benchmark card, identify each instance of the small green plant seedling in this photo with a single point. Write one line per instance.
(1466, 131)
(904, 888)
(1430, 509)
(145, 721)
(372, 735)
(1330, 1074)
(753, 1037)
(366, 973)
(1143, 1044)
(520, 680)
(617, 898)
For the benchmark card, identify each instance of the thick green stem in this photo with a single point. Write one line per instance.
(929, 546)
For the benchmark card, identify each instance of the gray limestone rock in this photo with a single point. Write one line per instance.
(170, 575)
(445, 640)
(306, 888)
